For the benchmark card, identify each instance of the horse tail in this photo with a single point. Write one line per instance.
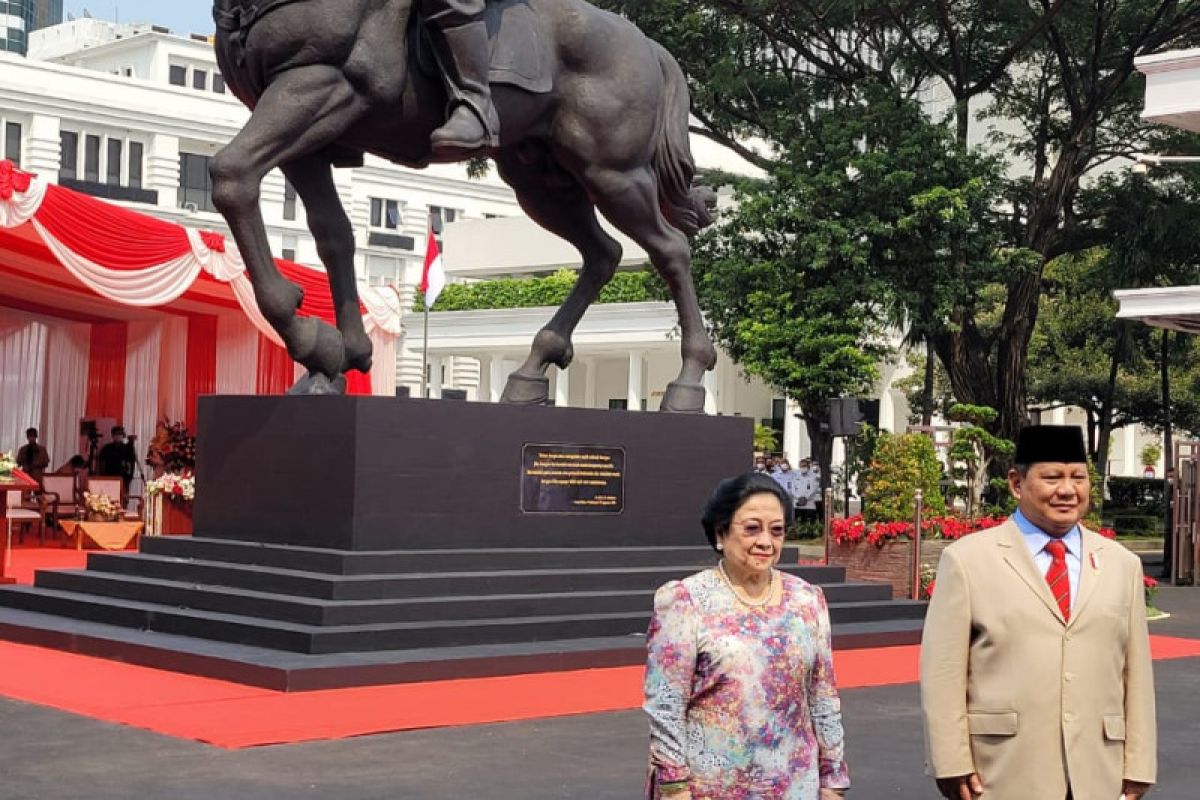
(687, 207)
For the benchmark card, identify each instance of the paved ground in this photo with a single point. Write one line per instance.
(48, 755)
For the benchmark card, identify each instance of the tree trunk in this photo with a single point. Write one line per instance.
(1165, 378)
(822, 450)
(1091, 433)
(1106, 406)
(927, 389)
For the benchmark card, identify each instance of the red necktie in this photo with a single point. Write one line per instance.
(1056, 576)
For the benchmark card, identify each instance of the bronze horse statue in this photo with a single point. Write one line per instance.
(595, 120)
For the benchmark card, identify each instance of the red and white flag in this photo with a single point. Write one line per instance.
(433, 278)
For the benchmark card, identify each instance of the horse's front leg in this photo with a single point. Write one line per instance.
(312, 178)
(301, 112)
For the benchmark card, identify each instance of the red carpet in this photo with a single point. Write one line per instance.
(233, 716)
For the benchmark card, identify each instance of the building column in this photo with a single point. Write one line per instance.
(710, 391)
(162, 169)
(465, 375)
(435, 377)
(562, 388)
(484, 394)
(887, 412)
(498, 377)
(637, 364)
(43, 148)
(590, 374)
(1129, 447)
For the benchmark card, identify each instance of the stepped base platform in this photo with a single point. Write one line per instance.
(486, 556)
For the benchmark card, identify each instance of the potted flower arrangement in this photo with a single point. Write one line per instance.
(172, 453)
(100, 507)
(7, 464)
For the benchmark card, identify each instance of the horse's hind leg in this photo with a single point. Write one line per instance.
(630, 201)
(312, 178)
(301, 112)
(557, 202)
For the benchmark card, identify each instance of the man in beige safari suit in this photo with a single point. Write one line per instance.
(1036, 679)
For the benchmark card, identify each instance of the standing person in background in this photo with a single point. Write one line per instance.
(806, 488)
(33, 459)
(118, 458)
(785, 477)
(1036, 680)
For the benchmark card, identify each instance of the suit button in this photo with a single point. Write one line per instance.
(1068, 676)
(1068, 717)
(1067, 637)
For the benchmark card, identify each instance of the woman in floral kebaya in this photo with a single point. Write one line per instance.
(739, 678)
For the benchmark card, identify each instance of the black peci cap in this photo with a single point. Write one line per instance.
(1061, 444)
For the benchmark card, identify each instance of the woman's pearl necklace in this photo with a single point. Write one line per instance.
(766, 598)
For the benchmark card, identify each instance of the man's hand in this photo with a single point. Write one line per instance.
(964, 787)
(1132, 790)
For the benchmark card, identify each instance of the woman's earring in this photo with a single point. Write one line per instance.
(720, 547)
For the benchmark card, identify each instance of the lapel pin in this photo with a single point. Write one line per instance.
(1095, 559)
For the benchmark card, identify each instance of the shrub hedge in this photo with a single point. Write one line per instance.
(552, 290)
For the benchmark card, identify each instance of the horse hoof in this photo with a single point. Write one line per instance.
(552, 347)
(316, 346)
(523, 391)
(316, 383)
(358, 353)
(683, 398)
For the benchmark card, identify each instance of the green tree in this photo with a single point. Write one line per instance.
(901, 464)
(1062, 72)
(974, 449)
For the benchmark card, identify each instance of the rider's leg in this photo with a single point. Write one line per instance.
(465, 60)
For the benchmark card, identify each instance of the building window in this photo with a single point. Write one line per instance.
(199, 79)
(178, 75)
(112, 169)
(439, 216)
(218, 83)
(127, 72)
(289, 200)
(69, 145)
(135, 165)
(12, 142)
(385, 214)
(91, 159)
(195, 184)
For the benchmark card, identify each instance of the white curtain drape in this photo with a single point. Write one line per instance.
(172, 369)
(140, 414)
(237, 355)
(22, 377)
(66, 389)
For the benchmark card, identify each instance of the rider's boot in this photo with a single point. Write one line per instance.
(473, 124)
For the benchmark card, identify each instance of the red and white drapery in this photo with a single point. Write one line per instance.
(137, 260)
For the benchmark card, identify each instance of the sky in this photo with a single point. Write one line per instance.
(181, 16)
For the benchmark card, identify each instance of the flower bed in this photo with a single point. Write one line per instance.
(169, 510)
(882, 551)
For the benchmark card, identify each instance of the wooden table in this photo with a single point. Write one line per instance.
(105, 535)
(16, 482)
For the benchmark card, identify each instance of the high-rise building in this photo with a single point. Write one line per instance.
(46, 13)
(19, 18)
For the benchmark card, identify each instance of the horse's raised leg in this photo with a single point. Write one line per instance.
(630, 201)
(312, 178)
(557, 202)
(301, 112)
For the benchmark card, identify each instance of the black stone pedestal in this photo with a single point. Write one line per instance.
(374, 473)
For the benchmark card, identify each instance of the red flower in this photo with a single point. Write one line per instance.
(178, 489)
(929, 589)
(1149, 582)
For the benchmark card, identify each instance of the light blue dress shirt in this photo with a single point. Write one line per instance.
(1036, 540)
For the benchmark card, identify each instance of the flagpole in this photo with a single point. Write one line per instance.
(425, 357)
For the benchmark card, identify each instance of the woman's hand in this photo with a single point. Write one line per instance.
(831, 794)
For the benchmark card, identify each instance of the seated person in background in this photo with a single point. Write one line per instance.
(77, 466)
